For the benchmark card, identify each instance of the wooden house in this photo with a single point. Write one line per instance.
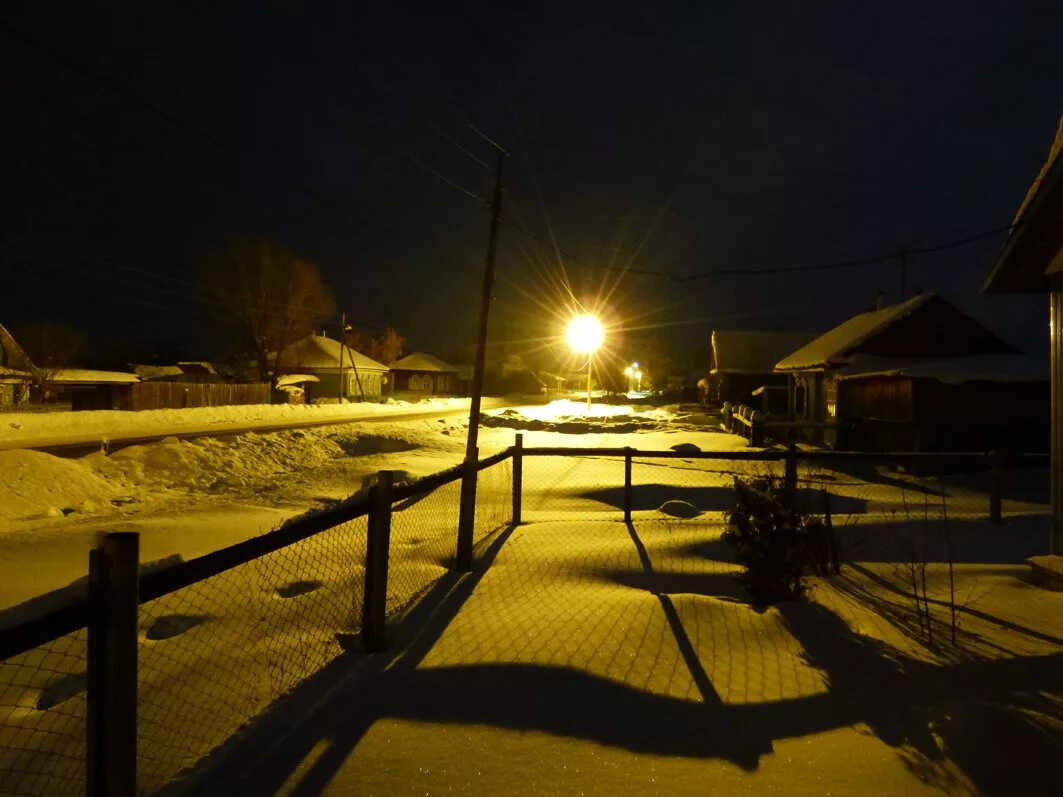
(15, 373)
(925, 327)
(424, 375)
(741, 361)
(339, 369)
(1031, 261)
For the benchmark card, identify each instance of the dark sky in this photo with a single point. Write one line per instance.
(677, 137)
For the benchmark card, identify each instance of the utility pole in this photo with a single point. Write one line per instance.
(485, 310)
(343, 343)
(467, 510)
(904, 272)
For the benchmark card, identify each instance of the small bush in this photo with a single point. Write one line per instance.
(770, 539)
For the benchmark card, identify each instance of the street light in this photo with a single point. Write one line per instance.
(585, 335)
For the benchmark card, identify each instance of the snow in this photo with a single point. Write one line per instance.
(28, 430)
(579, 664)
(36, 484)
(582, 659)
(825, 349)
(420, 361)
(73, 376)
(289, 380)
(316, 352)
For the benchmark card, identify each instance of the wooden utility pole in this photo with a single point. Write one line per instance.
(467, 511)
(904, 272)
(343, 344)
(485, 311)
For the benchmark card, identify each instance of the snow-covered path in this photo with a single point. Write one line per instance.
(593, 659)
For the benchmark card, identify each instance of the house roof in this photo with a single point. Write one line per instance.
(950, 370)
(87, 376)
(317, 353)
(420, 361)
(291, 380)
(753, 352)
(831, 347)
(1036, 237)
(11, 354)
(155, 371)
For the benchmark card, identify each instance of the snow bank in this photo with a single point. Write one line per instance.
(41, 428)
(571, 417)
(35, 484)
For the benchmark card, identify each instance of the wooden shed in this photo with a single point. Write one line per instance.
(925, 327)
(741, 361)
(979, 403)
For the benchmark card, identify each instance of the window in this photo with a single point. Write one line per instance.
(830, 393)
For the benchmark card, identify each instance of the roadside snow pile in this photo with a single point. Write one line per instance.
(570, 417)
(218, 464)
(35, 484)
(93, 425)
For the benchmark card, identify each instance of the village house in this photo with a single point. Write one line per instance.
(1031, 261)
(924, 328)
(743, 361)
(338, 370)
(15, 373)
(423, 374)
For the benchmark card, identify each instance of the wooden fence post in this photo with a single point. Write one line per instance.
(467, 513)
(518, 476)
(377, 548)
(111, 732)
(790, 477)
(627, 484)
(996, 487)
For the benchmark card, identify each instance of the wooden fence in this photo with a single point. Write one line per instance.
(176, 395)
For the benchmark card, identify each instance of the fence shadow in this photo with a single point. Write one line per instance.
(711, 498)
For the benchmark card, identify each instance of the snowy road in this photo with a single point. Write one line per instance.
(70, 440)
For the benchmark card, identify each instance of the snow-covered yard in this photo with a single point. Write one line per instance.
(591, 660)
(589, 657)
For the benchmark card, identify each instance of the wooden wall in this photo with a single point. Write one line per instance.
(177, 395)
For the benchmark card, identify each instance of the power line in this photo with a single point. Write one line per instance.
(736, 272)
(864, 261)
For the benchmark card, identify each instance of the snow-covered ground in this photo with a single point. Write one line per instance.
(586, 659)
(189, 497)
(38, 430)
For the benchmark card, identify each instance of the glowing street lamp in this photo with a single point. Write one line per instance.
(585, 335)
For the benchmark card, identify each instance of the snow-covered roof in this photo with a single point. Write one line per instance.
(78, 376)
(13, 373)
(951, 370)
(753, 352)
(11, 354)
(289, 380)
(318, 353)
(831, 347)
(196, 367)
(155, 371)
(420, 361)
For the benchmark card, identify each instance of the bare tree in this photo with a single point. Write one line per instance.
(384, 348)
(48, 346)
(271, 294)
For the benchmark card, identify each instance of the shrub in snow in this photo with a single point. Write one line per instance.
(772, 540)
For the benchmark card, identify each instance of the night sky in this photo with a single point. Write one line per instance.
(671, 137)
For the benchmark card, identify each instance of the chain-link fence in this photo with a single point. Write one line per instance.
(221, 638)
(42, 718)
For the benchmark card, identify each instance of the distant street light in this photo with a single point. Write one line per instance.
(585, 335)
